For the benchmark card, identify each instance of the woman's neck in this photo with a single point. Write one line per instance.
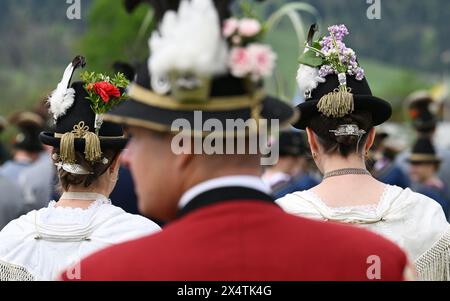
(337, 162)
(79, 198)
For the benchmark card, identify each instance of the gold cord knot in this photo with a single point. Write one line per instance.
(79, 130)
(92, 149)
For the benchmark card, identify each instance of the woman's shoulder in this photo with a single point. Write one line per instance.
(303, 203)
(123, 225)
(22, 224)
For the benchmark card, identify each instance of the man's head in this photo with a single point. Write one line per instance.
(424, 163)
(162, 176)
(421, 172)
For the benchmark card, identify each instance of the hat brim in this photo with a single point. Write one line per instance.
(135, 113)
(423, 159)
(381, 110)
(118, 143)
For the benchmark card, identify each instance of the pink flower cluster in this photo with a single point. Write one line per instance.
(248, 58)
(238, 29)
(256, 60)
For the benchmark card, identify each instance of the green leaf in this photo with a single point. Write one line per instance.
(310, 58)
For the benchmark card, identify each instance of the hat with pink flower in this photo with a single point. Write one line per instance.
(202, 58)
(332, 82)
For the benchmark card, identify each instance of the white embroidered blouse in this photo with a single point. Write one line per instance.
(42, 244)
(415, 222)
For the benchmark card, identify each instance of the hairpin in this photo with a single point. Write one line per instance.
(348, 130)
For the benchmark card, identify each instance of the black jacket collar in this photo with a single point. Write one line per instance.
(224, 194)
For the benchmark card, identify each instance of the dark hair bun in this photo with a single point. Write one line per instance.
(323, 126)
(347, 140)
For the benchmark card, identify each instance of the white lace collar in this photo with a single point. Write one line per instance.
(365, 214)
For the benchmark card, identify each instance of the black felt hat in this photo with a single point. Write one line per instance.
(362, 98)
(73, 114)
(155, 103)
(110, 134)
(423, 152)
(332, 81)
(229, 99)
(292, 143)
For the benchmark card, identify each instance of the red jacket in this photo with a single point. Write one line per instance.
(247, 240)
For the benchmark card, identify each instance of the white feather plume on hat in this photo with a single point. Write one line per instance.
(189, 40)
(308, 79)
(62, 97)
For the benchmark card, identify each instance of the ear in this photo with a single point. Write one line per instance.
(183, 160)
(370, 139)
(114, 164)
(312, 141)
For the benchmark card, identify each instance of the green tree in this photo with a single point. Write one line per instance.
(114, 35)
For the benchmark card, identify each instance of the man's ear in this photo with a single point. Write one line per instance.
(115, 164)
(312, 141)
(183, 160)
(370, 139)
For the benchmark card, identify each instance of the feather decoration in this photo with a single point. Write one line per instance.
(308, 79)
(160, 7)
(189, 41)
(62, 97)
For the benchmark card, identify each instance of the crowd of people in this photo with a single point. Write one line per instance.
(83, 199)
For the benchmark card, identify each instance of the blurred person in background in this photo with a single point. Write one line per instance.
(4, 154)
(38, 181)
(26, 145)
(382, 162)
(291, 172)
(424, 167)
(425, 122)
(12, 202)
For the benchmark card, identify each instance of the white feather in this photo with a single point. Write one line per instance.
(308, 79)
(189, 41)
(62, 97)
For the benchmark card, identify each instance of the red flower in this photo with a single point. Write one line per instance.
(105, 90)
(413, 113)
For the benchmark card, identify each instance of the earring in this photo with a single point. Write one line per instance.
(314, 155)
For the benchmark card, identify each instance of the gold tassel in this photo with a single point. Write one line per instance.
(67, 148)
(337, 104)
(92, 149)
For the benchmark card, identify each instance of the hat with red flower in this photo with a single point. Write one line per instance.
(78, 110)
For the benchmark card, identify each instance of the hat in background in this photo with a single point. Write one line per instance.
(423, 152)
(292, 143)
(420, 111)
(28, 124)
